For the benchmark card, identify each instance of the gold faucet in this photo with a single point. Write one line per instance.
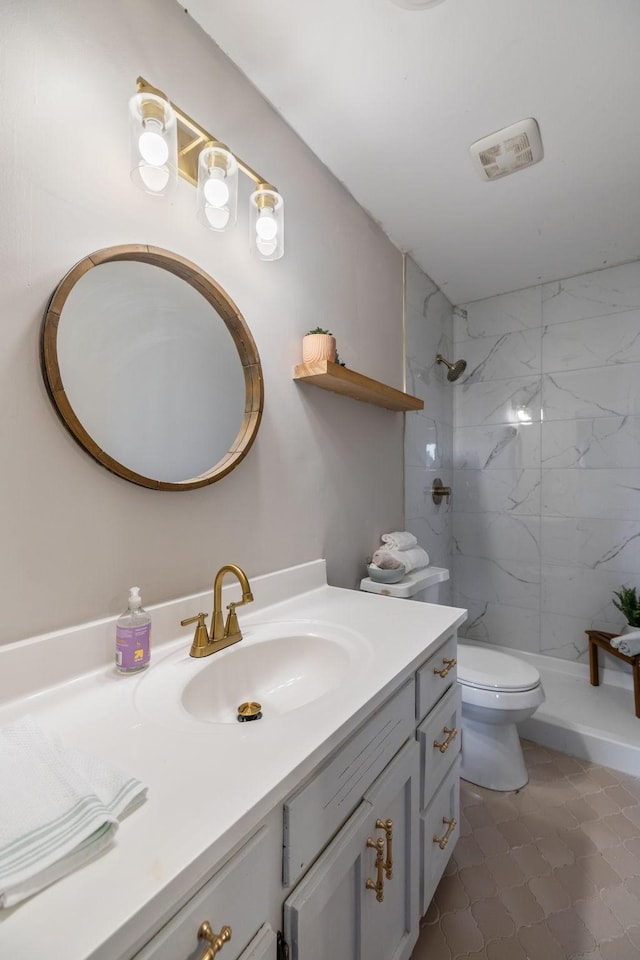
(222, 634)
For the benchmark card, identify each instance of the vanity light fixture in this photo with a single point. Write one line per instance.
(217, 187)
(154, 144)
(166, 142)
(267, 224)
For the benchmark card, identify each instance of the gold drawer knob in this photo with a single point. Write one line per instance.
(216, 941)
(378, 883)
(451, 734)
(449, 664)
(443, 841)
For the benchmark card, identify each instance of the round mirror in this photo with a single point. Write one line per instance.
(152, 368)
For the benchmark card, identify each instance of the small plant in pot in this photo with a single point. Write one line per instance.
(319, 344)
(628, 603)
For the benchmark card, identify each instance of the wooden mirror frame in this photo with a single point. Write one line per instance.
(229, 314)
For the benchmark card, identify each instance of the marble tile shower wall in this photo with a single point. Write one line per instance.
(546, 505)
(429, 432)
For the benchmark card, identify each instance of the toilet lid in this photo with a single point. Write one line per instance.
(494, 670)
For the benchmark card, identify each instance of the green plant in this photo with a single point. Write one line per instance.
(628, 603)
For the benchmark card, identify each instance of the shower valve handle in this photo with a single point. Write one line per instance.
(438, 491)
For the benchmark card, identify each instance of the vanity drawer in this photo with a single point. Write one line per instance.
(436, 676)
(439, 830)
(314, 813)
(439, 736)
(236, 896)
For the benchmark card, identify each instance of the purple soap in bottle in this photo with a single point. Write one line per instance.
(133, 636)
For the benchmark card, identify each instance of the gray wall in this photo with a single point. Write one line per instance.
(547, 461)
(324, 477)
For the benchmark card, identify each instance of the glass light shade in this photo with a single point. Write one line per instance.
(154, 144)
(266, 230)
(217, 188)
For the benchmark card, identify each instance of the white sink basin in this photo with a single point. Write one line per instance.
(283, 666)
(281, 673)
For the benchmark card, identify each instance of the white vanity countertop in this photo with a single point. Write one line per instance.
(209, 785)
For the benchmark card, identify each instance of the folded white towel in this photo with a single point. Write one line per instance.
(399, 540)
(629, 643)
(59, 808)
(415, 558)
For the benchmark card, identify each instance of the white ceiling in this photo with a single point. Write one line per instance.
(390, 100)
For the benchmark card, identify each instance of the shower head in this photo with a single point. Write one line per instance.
(455, 369)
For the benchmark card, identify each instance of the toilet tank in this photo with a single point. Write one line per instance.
(431, 594)
(425, 585)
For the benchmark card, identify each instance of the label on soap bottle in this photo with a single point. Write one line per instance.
(132, 647)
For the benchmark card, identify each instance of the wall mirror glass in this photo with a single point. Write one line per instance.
(152, 368)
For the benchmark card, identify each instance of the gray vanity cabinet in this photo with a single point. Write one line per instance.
(356, 883)
(333, 912)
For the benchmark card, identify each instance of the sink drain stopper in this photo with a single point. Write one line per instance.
(249, 711)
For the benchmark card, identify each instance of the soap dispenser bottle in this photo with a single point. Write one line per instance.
(133, 635)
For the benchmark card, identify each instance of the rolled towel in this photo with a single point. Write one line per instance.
(629, 643)
(59, 808)
(388, 562)
(399, 540)
(415, 558)
(628, 635)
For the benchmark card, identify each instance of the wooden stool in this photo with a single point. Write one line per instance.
(598, 638)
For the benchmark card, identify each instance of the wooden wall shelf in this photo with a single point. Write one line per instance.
(331, 376)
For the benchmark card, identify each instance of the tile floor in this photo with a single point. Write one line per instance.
(549, 872)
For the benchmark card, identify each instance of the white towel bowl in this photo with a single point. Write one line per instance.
(385, 576)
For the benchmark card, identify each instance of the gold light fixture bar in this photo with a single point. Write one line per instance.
(192, 138)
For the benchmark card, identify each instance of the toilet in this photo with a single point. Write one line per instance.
(498, 692)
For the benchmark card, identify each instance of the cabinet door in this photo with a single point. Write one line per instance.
(322, 915)
(390, 928)
(264, 946)
(332, 913)
(235, 896)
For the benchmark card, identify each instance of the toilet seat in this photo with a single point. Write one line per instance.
(494, 671)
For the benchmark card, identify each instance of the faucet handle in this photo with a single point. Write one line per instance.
(200, 637)
(232, 626)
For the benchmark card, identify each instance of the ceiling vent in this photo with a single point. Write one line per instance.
(508, 150)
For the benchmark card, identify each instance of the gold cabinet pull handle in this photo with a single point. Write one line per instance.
(216, 941)
(387, 826)
(449, 664)
(443, 841)
(378, 883)
(452, 733)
